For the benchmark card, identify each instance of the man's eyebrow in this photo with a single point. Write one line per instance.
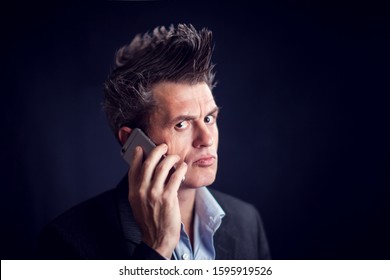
(214, 111)
(190, 117)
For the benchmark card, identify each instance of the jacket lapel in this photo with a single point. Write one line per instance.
(224, 244)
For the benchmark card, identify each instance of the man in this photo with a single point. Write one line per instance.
(162, 84)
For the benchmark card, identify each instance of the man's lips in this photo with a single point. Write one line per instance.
(205, 161)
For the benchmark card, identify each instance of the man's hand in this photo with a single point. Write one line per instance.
(154, 199)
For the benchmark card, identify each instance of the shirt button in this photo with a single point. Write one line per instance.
(185, 256)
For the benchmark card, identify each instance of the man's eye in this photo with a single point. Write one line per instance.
(182, 125)
(209, 119)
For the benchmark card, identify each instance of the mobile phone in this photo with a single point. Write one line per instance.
(137, 138)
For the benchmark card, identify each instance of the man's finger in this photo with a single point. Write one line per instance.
(163, 169)
(176, 178)
(150, 164)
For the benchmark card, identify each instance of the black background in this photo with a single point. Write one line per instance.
(304, 127)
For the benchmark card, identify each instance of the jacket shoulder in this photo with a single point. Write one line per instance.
(84, 231)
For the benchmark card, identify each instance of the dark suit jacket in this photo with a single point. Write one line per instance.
(104, 228)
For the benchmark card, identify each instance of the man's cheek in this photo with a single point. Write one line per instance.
(174, 148)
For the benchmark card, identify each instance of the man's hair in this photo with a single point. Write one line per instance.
(179, 54)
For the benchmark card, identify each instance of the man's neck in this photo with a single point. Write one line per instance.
(187, 209)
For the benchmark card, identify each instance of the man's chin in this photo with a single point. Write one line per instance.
(198, 182)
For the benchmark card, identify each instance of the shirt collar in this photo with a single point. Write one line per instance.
(208, 209)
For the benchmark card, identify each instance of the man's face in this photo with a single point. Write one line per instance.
(185, 119)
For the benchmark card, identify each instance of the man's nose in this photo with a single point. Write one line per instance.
(203, 137)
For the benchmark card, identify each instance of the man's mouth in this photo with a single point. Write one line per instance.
(205, 161)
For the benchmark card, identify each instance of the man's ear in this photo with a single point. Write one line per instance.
(123, 134)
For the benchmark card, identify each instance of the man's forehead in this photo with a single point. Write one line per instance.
(181, 99)
(177, 95)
